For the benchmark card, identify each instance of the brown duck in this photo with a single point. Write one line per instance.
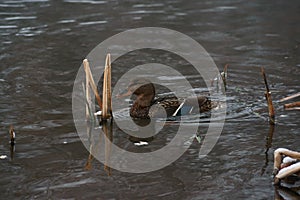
(146, 105)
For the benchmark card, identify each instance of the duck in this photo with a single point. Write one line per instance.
(147, 105)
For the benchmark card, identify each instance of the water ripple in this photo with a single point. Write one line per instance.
(31, 31)
(92, 23)
(85, 1)
(66, 21)
(12, 5)
(219, 9)
(27, 1)
(20, 18)
(145, 12)
(148, 5)
(8, 26)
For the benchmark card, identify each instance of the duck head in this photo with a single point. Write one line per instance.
(144, 92)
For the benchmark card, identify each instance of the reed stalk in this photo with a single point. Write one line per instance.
(290, 170)
(292, 105)
(269, 99)
(89, 114)
(290, 97)
(278, 155)
(88, 96)
(224, 76)
(12, 135)
(92, 82)
(107, 105)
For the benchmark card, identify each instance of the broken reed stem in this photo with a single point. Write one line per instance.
(292, 105)
(12, 141)
(88, 96)
(294, 108)
(218, 77)
(278, 154)
(290, 170)
(269, 99)
(12, 135)
(107, 105)
(270, 138)
(224, 76)
(88, 165)
(89, 114)
(91, 81)
(290, 97)
(108, 63)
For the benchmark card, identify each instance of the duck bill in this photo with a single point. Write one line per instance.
(124, 93)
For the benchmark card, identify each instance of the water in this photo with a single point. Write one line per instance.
(42, 46)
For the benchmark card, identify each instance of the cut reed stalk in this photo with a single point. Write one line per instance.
(107, 105)
(290, 170)
(269, 99)
(91, 82)
(278, 155)
(280, 152)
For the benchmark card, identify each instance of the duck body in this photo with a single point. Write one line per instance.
(145, 104)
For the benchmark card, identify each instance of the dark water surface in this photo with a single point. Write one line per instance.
(42, 46)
